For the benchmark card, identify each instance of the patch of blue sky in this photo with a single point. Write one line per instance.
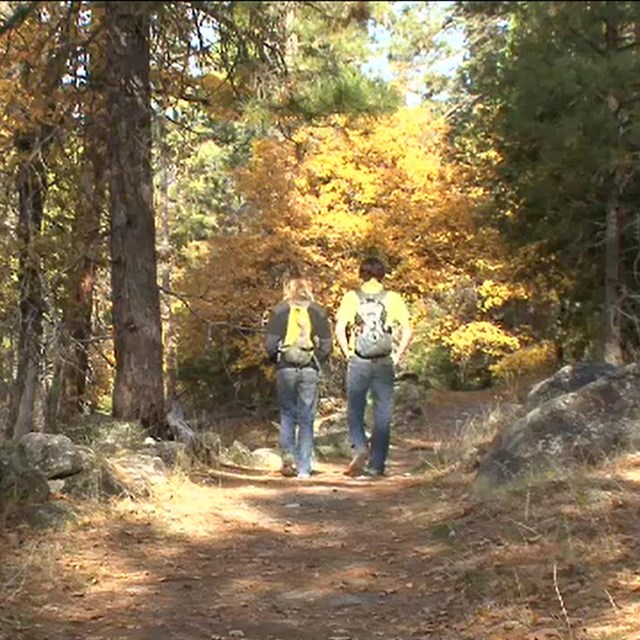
(378, 65)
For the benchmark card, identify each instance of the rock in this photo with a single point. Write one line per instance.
(19, 485)
(48, 515)
(138, 472)
(106, 434)
(98, 483)
(54, 455)
(168, 451)
(24, 486)
(238, 454)
(178, 425)
(332, 437)
(267, 458)
(568, 379)
(598, 420)
(206, 447)
(333, 445)
(410, 401)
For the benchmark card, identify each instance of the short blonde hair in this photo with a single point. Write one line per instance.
(297, 288)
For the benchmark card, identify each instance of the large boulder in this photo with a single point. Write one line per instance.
(95, 483)
(568, 379)
(54, 455)
(21, 486)
(598, 420)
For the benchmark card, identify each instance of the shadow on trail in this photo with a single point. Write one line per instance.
(404, 557)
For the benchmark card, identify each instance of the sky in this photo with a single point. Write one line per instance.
(378, 65)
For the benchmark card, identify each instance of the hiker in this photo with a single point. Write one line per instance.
(373, 330)
(299, 340)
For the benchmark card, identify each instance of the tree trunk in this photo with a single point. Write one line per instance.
(138, 392)
(167, 266)
(612, 335)
(31, 187)
(68, 388)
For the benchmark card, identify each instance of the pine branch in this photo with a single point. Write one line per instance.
(21, 13)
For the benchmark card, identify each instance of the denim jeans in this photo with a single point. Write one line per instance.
(375, 376)
(297, 397)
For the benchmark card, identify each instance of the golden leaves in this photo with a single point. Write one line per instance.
(328, 194)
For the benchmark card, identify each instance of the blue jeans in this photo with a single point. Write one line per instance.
(375, 376)
(297, 396)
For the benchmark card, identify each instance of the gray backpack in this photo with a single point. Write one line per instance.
(372, 334)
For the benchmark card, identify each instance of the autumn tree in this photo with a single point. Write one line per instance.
(37, 44)
(360, 185)
(85, 252)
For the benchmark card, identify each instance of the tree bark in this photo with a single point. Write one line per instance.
(31, 185)
(171, 357)
(67, 394)
(68, 389)
(612, 333)
(138, 392)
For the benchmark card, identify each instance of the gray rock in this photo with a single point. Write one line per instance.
(168, 451)
(333, 445)
(332, 437)
(138, 472)
(267, 458)
(206, 447)
(568, 379)
(19, 485)
(54, 455)
(23, 486)
(598, 420)
(238, 454)
(178, 424)
(97, 483)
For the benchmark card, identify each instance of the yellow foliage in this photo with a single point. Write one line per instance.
(496, 294)
(481, 336)
(326, 197)
(531, 359)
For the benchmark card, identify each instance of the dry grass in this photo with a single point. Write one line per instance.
(553, 557)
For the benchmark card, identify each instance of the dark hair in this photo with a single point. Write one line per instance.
(372, 268)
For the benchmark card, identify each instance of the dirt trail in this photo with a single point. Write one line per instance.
(256, 556)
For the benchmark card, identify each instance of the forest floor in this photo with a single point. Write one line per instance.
(247, 554)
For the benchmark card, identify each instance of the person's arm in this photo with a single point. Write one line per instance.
(274, 333)
(322, 335)
(403, 321)
(343, 318)
(341, 337)
(406, 335)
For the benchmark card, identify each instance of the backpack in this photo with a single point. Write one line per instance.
(372, 334)
(297, 346)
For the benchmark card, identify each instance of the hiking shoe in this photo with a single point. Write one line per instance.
(370, 472)
(288, 468)
(357, 464)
